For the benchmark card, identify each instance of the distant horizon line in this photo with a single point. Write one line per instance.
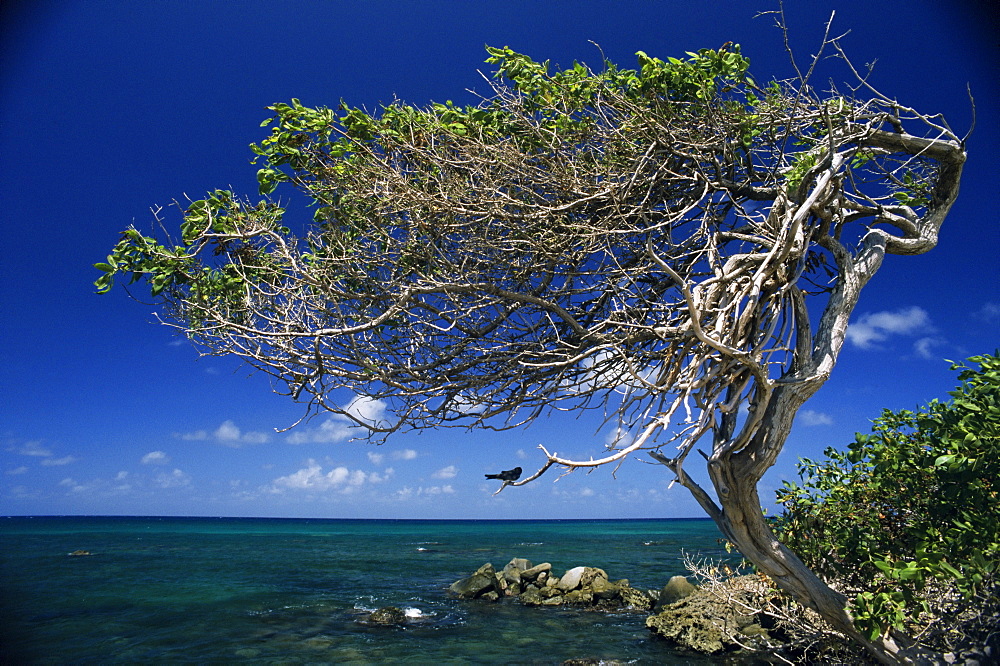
(442, 520)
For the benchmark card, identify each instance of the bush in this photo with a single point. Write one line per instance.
(907, 520)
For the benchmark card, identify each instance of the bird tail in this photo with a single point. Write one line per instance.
(492, 476)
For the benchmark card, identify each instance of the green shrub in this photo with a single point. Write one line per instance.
(909, 514)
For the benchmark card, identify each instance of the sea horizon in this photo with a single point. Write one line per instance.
(430, 520)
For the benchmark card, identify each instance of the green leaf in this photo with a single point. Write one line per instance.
(940, 461)
(885, 567)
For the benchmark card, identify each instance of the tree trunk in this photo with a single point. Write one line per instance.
(741, 520)
(743, 523)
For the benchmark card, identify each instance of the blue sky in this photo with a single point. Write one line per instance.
(108, 109)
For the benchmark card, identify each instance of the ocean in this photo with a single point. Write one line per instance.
(296, 591)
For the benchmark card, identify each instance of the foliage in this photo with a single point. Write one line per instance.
(320, 152)
(916, 501)
(557, 232)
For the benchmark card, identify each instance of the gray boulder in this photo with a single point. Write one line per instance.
(532, 574)
(482, 584)
(532, 596)
(571, 579)
(676, 589)
(519, 563)
(513, 577)
(387, 616)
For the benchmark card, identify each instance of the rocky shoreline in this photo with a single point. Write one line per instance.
(723, 616)
(685, 615)
(537, 585)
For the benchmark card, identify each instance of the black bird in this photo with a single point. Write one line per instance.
(507, 475)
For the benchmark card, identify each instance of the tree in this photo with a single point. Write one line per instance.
(907, 515)
(665, 244)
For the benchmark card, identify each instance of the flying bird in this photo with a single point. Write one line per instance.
(507, 475)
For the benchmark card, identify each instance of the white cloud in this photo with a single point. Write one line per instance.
(34, 448)
(339, 478)
(174, 479)
(338, 427)
(74, 486)
(66, 460)
(408, 493)
(924, 347)
(366, 410)
(875, 327)
(255, 437)
(437, 490)
(448, 472)
(227, 434)
(17, 470)
(404, 454)
(467, 405)
(155, 458)
(334, 429)
(618, 437)
(990, 312)
(376, 458)
(810, 417)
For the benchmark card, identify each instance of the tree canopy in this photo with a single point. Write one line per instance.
(666, 244)
(650, 231)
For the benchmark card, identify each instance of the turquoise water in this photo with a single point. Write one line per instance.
(202, 590)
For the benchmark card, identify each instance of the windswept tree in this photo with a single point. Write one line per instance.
(678, 247)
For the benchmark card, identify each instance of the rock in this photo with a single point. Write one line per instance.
(536, 586)
(519, 563)
(592, 575)
(634, 598)
(571, 579)
(387, 616)
(552, 591)
(513, 576)
(531, 597)
(581, 596)
(534, 573)
(477, 585)
(676, 589)
(80, 553)
(605, 590)
(705, 622)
